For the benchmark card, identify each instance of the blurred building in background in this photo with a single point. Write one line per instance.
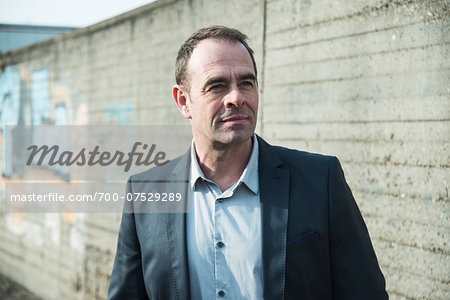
(13, 36)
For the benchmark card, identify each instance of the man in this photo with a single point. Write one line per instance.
(266, 222)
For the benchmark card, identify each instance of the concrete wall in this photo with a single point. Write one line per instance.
(370, 83)
(367, 82)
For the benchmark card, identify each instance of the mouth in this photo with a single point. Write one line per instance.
(235, 118)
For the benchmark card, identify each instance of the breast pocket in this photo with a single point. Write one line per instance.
(302, 241)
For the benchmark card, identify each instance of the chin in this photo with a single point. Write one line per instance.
(236, 138)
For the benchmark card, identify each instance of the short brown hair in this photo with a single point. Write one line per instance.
(212, 32)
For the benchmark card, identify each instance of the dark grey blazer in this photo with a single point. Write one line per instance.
(315, 242)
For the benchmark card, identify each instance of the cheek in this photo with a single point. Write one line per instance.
(206, 114)
(252, 102)
(251, 94)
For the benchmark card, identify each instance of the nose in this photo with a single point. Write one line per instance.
(234, 98)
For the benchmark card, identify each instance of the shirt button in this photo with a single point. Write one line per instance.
(220, 245)
(220, 200)
(221, 293)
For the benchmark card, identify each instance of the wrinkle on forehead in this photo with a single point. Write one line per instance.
(219, 57)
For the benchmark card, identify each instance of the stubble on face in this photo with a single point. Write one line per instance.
(223, 95)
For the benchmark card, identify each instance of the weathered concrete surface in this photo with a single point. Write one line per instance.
(10, 290)
(366, 81)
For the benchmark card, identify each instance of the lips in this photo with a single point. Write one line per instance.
(235, 118)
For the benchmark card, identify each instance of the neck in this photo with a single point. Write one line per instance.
(224, 165)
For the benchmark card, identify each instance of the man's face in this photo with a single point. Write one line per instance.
(222, 101)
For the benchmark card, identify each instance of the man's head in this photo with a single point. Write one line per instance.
(217, 88)
(215, 32)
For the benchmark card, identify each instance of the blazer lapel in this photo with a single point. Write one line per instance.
(274, 197)
(175, 227)
(176, 234)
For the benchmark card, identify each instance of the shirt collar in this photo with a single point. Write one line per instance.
(249, 177)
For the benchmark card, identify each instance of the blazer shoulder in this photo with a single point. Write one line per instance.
(296, 159)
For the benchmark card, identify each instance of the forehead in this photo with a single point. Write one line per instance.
(212, 57)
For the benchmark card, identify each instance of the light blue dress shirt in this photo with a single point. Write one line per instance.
(224, 235)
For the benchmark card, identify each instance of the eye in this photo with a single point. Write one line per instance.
(247, 84)
(216, 87)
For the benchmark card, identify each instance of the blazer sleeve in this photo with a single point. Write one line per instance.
(354, 266)
(126, 279)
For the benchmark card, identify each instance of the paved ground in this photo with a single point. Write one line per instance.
(10, 290)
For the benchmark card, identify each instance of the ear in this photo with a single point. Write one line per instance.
(181, 99)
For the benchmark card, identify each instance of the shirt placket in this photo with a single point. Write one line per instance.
(220, 246)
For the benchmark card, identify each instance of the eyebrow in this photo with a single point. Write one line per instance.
(214, 80)
(247, 76)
